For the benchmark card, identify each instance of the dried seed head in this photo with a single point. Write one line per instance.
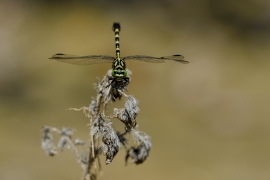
(108, 89)
(123, 115)
(110, 147)
(97, 126)
(93, 107)
(140, 153)
(65, 137)
(47, 141)
(122, 139)
(110, 141)
(131, 107)
(79, 142)
(103, 85)
(67, 132)
(142, 138)
(129, 113)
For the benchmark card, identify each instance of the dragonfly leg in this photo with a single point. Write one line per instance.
(118, 84)
(111, 81)
(125, 81)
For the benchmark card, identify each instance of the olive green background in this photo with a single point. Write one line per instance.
(208, 119)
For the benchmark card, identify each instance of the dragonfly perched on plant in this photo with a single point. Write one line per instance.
(119, 76)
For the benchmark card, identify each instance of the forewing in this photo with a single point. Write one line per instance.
(82, 60)
(144, 58)
(177, 58)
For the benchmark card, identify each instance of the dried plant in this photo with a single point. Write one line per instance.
(104, 139)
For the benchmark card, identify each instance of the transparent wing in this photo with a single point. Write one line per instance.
(177, 58)
(82, 60)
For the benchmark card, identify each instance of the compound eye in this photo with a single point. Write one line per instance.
(113, 72)
(125, 73)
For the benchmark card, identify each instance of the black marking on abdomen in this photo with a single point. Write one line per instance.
(116, 29)
(116, 25)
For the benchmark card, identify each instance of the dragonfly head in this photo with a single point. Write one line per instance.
(119, 73)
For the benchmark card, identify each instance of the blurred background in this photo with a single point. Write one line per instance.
(208, 119)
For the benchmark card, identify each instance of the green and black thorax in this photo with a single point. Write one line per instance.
(118, 65)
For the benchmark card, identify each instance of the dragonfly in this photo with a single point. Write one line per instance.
(119, 77)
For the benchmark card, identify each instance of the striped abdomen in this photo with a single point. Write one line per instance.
(119, 65)
(116, 29)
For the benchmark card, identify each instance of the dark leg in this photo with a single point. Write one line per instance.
(126, 81)
(112, 79)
